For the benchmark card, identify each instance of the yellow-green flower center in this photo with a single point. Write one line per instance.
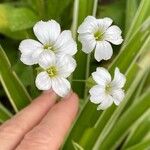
(108, 88)
(52, 71)
(48, 47)
(99, 35)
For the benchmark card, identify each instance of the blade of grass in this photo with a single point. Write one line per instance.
(141, 15)
(4, 114)
(131, 8)
(14, 89)
(141, 146)
(138, 131)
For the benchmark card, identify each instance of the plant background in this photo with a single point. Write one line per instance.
(123, 127)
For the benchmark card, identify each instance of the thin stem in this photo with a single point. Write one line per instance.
(89, 55)
(74, 25)
(75, 18)
(95, 8)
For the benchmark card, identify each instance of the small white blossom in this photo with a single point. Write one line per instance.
(55, 71)
(97, 34)
(107, 90)
(50, 38)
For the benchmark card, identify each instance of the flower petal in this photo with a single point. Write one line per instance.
(66, 65)
(28, 59)
(65, 43)
(103, 50)
(47, 32)
(118, 96)
(29, 46)
(47, 59)
(113, 35)
(61, 86)
(43, 81)
(104, 23)
(88, 25)
(95, 99)
(119, 80)
(88, 42)
(96, 92)
(101, 76)
(107, 102)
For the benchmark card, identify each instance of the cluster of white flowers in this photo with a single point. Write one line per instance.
(97, 34)
(54, 54)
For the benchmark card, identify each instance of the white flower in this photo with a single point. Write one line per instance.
(55, 71)
(95, 34)
(50, 38)
(106, 91)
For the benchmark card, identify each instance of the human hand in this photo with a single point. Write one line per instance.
(40, 126)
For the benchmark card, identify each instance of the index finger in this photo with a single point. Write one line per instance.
(50, 133)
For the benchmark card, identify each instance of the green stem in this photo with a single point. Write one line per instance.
(75, 18)
(89, 55)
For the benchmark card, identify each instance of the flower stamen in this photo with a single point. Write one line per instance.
(99, 35)
(52, 71)
(108, 88)
(48, 47)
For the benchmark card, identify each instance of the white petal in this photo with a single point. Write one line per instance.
(61, 86)
(101, 76)
(29, 46)
(96, 93)
(88, 25)
(107, 102)
(28, 59)
(113, 35)
(95, 99)
(97, 90)
(66, 65)
(88, 42)
(119, 80)
(47, 59)
(104, 23)
(103, 50)
(47, 32)
(65, 43)
(118, 96)
(43, 81)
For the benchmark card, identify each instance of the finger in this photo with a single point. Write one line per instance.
(50, 133)
(14, 130)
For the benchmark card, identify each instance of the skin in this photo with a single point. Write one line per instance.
(40, 126)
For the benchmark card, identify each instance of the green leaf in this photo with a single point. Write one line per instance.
(54, 8)
(141, 15)
(141, 146)
(131, 8)
(17, 94)
(21, 19)
(77, 146)
(4, 114)
(138, 131)
(5, 11)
